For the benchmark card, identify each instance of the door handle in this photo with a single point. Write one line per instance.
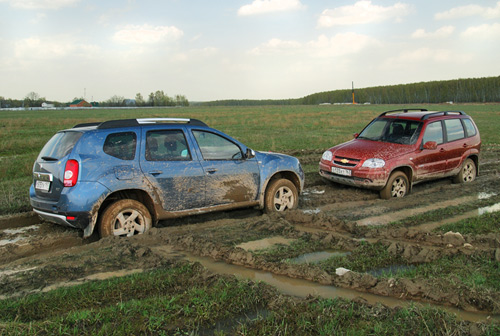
(211, 170)
(156, 172)
(442, 150)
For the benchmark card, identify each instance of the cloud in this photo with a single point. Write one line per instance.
(427, 56)
(440, 33)
(275, 45)
(146, 34)
(470, 10)
(489, 32)
(269, 6)
(362, 12)
(322, 47)
(47, 49)
(42, 4)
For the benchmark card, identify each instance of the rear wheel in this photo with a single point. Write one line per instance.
(281, 195)
(467, 172)
(124, 218)
(397, 186)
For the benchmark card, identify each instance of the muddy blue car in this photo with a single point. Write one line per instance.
(123, 176)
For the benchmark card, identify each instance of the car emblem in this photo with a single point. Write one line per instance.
(344, 161)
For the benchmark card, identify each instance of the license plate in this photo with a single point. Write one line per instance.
(341, 171)
(42, 185)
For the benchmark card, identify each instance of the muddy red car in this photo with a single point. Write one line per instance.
(402, 147)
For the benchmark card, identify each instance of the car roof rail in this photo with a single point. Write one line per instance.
(439, 113)
(87, 124)
(146, 121)
(403, 110)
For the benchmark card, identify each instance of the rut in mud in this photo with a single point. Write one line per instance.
(38, 256)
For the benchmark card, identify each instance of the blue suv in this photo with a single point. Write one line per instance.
(125, 175)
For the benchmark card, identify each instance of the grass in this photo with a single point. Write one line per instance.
(180, 299)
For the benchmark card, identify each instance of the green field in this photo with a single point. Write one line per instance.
(287, 129)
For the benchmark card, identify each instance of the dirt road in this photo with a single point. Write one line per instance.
(37, 256)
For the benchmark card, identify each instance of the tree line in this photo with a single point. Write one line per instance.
(470, 90)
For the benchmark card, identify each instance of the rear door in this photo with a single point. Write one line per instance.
(230, 178)
(457, 143)
(48, 170)
(169, 163)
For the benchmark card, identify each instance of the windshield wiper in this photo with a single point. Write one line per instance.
(49, 158)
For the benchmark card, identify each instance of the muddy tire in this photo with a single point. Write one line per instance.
(281, 195)
(124, 218)
(467, 172)
(397, 186)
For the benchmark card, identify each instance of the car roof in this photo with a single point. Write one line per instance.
(419, 114)
(139, 122)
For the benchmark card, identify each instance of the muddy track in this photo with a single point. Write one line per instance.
(38, 256)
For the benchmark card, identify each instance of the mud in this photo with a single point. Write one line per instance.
(36, 256)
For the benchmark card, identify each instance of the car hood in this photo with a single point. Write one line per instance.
(365, 149)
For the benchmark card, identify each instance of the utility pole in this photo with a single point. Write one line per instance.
(353, 101)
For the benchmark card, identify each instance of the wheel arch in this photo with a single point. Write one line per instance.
(408, 171)
(289, 175)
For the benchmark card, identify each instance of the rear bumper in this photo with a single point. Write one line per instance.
(80, 221)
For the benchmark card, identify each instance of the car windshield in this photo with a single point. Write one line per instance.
(391, 130)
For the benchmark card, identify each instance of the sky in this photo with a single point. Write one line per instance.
(239, 49)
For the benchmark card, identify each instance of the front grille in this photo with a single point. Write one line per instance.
(345, 162)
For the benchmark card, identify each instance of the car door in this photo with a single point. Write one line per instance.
(431, 162)
(457, 144)
(168, 163)
(230, 177)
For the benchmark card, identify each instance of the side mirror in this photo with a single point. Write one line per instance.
(430, 145)
(250, 154)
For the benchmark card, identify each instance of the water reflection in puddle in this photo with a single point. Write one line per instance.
(489, 209)
(303, 288)
(312, 211)
(315, 257)
(265, 243)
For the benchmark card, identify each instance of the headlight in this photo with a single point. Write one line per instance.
(327, 156)
(374, 163)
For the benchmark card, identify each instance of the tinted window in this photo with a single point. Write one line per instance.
(59, 145)
(215, 147)
(166, 145)
(454, 129)
(434, 132)
(469, 126)
(121, 145)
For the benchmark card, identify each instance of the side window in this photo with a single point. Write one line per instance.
(434, 132)
(167, 145)
(215, 147)
(121, 145)
(454, 129)
(469, 126)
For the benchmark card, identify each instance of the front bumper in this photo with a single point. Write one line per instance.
(367, 178)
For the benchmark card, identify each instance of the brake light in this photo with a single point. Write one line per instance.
(71, 173)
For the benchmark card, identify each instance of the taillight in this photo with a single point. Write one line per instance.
(71, 173)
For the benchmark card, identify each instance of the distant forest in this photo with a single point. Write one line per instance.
(470, 90)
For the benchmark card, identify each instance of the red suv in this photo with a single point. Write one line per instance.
(403, 147)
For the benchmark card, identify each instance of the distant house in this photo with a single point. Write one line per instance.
(80, 103)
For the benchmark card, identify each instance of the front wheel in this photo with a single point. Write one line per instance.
(124, 218)
(281, 195)
(397, 186)
(467, 172)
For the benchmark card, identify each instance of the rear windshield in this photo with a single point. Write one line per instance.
(59, 145)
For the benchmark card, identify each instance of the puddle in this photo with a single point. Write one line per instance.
(315, 257)
(4, 242)
(313, 192)
(485, 195)
(398, 215)
(21, 230)
(390, 270)
(11, 272)
(303, 288)
(264, 243)
(489, 209)
(312, 212)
